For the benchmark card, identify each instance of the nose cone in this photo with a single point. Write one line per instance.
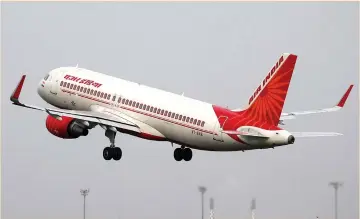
(41, 89)
(291, 139)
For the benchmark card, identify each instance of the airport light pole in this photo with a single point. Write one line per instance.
(336, 186)
(84, 192)
(202, 190)
(253, 207)
(212, 208)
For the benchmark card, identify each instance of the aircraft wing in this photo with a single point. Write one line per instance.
(337, 107)
(90, 116)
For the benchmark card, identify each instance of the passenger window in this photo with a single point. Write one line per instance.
(191, 120)
(61, 83)
(137, 105)
(65, 84)
(108, 97)
(119, 100)
(74, 87)
(173, 115)
(165, 113)
(141, 105)
(177, 116)
(134, 104)
(81, 89)
(71, 86)
(127, 102)
(158, 111)
(198, 123)
(114, 97)
(78, 88)
(130, 102)
(123, 101)
(187, 119)
(184, 118)
(162, 112)
(147, 108)
(144, 107)
(202, 124)
(98, 94)
(95, 92)
(151, 109)
(101, 94)
(195, 121)
(68, 85)
(180, 116)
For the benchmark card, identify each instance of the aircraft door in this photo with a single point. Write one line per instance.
(218, 135)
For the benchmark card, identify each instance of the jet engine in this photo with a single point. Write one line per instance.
(66, 127)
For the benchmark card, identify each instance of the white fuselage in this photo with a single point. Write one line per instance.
(204, 134)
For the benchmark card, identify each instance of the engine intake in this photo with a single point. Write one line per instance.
(67, 127)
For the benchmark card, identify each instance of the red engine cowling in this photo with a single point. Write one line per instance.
(67, 127)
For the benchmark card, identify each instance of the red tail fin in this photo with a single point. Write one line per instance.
(267, 101)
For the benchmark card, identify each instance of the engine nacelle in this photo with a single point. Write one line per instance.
(67, 127)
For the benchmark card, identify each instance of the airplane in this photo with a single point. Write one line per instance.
(84, 99)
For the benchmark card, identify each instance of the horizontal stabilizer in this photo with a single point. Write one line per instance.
(314, 134)
(229, 132)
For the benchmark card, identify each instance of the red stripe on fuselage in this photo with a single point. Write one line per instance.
(139, 112)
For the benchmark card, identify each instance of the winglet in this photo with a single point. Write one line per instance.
(16, 93)
(345, 96)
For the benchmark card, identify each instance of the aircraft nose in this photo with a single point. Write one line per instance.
(40, 89)
(291, 139)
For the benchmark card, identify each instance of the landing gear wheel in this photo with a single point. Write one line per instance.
(117, 153)
(107, 153)
(111, 152)
(187, 154)
(178, 154)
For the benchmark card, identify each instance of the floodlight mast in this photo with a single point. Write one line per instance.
(202, 190)
(336, 186)
(84, 192)
(212, 208)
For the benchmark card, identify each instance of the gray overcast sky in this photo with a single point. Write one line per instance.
(216, 52)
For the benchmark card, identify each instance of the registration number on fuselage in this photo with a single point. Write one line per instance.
(195, 132)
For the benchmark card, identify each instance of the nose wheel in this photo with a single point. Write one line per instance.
(182, 154)
(111, 152)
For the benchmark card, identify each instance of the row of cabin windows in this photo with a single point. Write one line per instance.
(133, 104)
(86, 90)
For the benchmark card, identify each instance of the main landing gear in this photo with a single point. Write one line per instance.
(182, 154)
(111, 152)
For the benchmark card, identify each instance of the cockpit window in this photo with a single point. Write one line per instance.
(46, 77)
